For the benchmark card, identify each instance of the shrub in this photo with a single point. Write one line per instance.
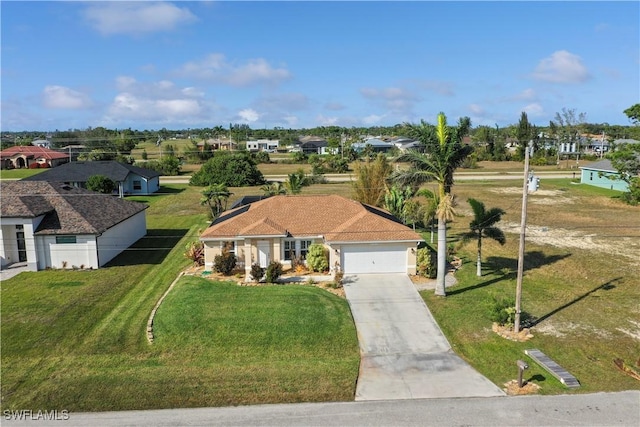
(256, 272)
(337, 280)
(503, 311)
(427, 262)
(317, 258)
(195, 252)
(101, 184)
(225, 262)
(145, 156)
(274, 270)
(34, 165)
(297, 264)
(230, 169)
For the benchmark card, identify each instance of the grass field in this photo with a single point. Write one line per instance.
(76, 339)
(19, 173)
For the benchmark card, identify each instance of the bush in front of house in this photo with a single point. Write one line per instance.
(274, 270)
(34, 165)
(257, 272)
(426, 261)
(317, 258)
(224, 263)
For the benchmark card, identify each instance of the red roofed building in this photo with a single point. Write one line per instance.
(19, 157)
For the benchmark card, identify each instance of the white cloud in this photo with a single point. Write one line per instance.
(326, 121)
(157, 102)
(216, 68)
(476, 110)
(441, 88)
(562, 67)
(61, 97)
(249, 115)
(118, 17)
(292, 121)
(334, 106)
(284, 101)
(534, 110)
(394, 98)
(372, 119)
(525, 95)
(129, 106)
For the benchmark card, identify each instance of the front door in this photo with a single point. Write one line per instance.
(264, 253)
(22, 247)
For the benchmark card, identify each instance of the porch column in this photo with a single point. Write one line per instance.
(30, 243)
(247, 260)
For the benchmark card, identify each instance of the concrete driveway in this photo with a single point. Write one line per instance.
(9, 271)
(404, 354)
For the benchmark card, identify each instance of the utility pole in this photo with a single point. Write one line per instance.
(523, 226)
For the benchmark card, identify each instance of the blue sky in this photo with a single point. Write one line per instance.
(149, 65)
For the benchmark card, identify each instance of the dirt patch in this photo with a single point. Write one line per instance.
(562, 329)
(508, 333)
(512, 388)
(565, 238)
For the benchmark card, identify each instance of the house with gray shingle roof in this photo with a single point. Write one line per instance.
(358, 238)
(128, 178)
(55, 225)
(602, 174)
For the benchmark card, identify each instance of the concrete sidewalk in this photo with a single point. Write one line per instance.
(404, 353)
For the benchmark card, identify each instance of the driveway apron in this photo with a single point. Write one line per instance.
(404, 354)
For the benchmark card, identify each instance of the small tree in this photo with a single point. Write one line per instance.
(317, 258)
(274, 270)
(195, 252)
(101, 184)
(226, 262)
(370, 185)
(257, 272)
(216, 197)
(483, 225)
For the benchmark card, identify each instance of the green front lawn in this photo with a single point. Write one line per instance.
(19, 173)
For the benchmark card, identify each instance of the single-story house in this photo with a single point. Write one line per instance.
(56, 225)
(129, 179)
(602, 174)
(23, 156)
(310, 145)
(377, 145)
(44, 143)
(269, 145)
(358, 238)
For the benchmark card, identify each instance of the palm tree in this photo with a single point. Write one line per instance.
(430, 208)
(216, 196)
(274, 189)
(445, 153)
(483, 225)
(295, 182)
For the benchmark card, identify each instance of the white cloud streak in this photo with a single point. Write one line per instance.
(562, 67)
(64, 98)
(215, 68)
(135, 18)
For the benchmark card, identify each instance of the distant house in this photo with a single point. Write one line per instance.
(23, 156)
(43, 143)
(129, 179)
(602, 174)
(314, 145)
(377, 145)
(269, 145)
(55, 225)
(358, 238)
(218, 144)
(406, 144)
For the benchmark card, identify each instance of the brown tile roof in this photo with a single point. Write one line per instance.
(32, 151)
(67, 210)
(336, 218)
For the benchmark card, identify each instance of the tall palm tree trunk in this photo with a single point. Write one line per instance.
(442, 257)
(479, 262)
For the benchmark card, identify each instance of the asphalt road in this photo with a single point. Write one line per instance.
(461, 176)
(599, 409)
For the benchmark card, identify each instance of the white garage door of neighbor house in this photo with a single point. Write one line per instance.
(362, 259)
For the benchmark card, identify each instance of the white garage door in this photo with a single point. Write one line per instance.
(362, 259)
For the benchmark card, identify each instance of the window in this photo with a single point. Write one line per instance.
(304, 247)
(137, 185)
(230, 246)
(591, 176)
(65, 239)
(289, 250)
